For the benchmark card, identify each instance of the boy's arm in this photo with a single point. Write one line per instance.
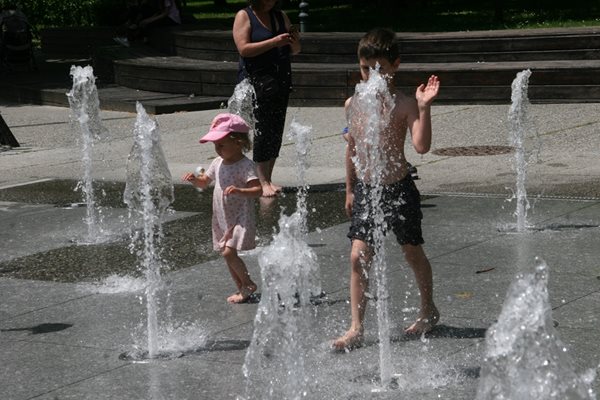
(350, 174)
(419, 116)
(349, 164)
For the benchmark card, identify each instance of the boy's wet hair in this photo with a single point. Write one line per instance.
(379, 43)
(243, 139)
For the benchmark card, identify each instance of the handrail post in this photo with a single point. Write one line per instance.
(303, 16)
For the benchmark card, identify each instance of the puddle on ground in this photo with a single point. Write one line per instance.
(187, 240)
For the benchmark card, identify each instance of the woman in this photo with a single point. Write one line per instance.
(265, 39)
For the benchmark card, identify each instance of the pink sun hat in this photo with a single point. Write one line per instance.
(222, 125)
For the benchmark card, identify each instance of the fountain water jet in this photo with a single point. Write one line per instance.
(301, 135)
(525, 359)
(290, 277)
(85, 107)
(242, 102)
(148, 193)
(518, 121)
(370, 112)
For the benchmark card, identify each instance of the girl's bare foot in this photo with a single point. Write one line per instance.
(349, 341)
(242, 296)
(424, 324)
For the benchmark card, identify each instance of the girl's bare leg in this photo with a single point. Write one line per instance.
(240, 275)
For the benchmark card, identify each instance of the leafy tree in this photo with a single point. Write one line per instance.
(70, 12)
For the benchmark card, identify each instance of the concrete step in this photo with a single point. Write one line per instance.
(478, 67)
(340, 47)
(331, 84)
(49, 86)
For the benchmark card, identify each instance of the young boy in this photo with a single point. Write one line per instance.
(379, 48)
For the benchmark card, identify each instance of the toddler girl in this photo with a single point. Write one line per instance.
(236, 184)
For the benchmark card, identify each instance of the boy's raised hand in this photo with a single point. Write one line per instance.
(426, 94)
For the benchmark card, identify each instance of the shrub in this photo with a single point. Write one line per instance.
(64, 13)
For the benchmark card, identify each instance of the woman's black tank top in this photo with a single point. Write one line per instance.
(275, 61)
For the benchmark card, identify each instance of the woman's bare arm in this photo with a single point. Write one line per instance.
(242, 38)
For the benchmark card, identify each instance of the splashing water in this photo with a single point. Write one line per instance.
(525, 359)
(148, 193)
(300, 134)
(117, 284)
(172, 341)
(290, 278)
(242, 102)
(85, 109)
(278, 347)
(518, 120)
(370, 113)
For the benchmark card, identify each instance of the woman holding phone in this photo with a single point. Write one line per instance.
(265, 40)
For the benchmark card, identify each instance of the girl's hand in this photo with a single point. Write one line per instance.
(426, 94)
(231, 190)
(201, 181)
(189, 177)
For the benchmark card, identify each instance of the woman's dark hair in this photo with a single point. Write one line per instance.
(257, 3)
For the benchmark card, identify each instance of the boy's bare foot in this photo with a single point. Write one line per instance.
(424, 324)
(242, 296)
(349, 341)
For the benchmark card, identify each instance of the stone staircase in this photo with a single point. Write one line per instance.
(474, 67)
(185, 69)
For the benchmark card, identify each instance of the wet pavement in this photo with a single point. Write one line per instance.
(64, 324)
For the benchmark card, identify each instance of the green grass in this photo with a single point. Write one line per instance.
(333, 16)
(210, 17)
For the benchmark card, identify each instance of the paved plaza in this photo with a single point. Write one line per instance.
(63, 338)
